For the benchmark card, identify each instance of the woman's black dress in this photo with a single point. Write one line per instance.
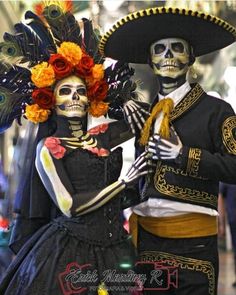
(74, 255)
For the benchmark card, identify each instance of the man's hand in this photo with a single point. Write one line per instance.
(163, 149)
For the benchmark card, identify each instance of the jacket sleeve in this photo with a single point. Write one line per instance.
(220, 163)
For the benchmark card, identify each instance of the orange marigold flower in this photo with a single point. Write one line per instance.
(98, 72)
(42, 75)
(98, 109)
(35, 114)
(71, 51)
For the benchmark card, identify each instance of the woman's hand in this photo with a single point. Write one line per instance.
(135, 114)
(141, 166)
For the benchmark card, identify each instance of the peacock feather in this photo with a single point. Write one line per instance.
(10, 107)
(63, 25)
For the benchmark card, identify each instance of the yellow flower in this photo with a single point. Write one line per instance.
(71, 51)
(42, 75)
(35, 114)
(98, 109)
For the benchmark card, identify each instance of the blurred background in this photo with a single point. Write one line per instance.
(216, 73)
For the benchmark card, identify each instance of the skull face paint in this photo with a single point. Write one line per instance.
(71, 97)
(170, 57)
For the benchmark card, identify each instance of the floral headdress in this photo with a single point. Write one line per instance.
(43, 51)
(69, 59)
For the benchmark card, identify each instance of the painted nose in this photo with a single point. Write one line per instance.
(169, 54)
(75, 96)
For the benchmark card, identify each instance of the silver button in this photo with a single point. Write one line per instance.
(109, 221)
(110, 235)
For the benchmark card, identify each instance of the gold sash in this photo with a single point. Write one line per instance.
(190, 225)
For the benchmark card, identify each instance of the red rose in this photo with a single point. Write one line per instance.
(61, 66)
(53, 145)
(98, 91)
(44, 98)
(84, 67)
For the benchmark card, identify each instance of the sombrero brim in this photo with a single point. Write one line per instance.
(130, 38)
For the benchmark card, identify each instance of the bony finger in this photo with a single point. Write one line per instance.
(156, 137)
(163, 147)
(153, 151)
(164, 153)
(151, 143)
(144, 111)
(167, 142)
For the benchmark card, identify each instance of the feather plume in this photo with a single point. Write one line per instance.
(91, 41)
(63, 25)
(42, 30)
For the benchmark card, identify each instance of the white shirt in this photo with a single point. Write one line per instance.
(161, 207)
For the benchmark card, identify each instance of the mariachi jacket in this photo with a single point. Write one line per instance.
(206, 127)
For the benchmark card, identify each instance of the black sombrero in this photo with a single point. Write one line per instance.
(130, 38)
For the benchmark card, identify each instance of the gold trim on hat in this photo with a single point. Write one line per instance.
(163, 10)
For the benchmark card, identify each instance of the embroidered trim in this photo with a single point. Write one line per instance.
(182, 262)
(186, 103)
(184, 193)
(194, 157)
(227, 133)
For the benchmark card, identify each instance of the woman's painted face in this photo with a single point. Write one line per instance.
(71, 97)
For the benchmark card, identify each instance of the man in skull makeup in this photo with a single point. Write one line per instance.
(191, 137)
(68, 231)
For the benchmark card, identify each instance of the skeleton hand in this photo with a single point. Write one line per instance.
(134, 113)
(164, 149)
(141, 166)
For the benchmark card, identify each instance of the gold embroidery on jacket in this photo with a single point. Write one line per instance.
(187, 102)
(194, 157)
(228, 136)
(182, 262)
(177, 192)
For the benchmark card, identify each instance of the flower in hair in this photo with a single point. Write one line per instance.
(43, 75)
(71, 51)
(36, 114)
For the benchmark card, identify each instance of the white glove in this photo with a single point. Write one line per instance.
(164, 149)
(134, 113)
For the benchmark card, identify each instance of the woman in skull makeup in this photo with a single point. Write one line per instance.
(69, 235)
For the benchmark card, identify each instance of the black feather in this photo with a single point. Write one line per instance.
(41, 30)
(91, 41)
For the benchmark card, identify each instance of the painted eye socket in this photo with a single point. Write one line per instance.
(177, 47)
(159, 48)
(81, 91)
(64, 91)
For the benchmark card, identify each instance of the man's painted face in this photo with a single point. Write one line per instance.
(170, 57)
(71, 97)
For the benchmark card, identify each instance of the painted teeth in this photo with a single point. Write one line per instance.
(73, 104)
(74, 108)
(170, 65)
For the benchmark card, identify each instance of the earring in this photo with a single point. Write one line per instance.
(192, 72)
